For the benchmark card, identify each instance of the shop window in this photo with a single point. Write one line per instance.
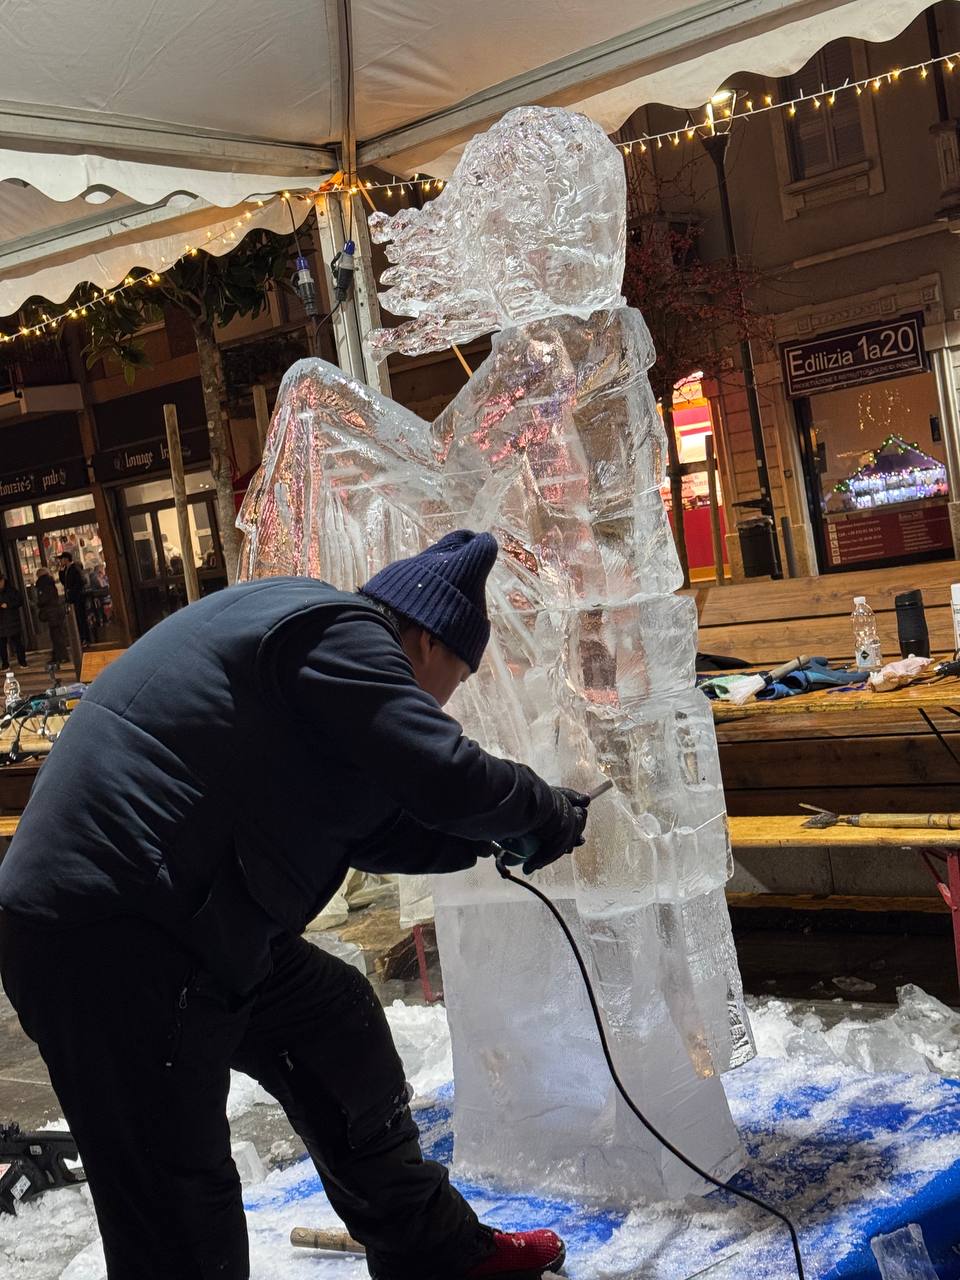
(144, 550)
(879, 472)
(17, 516)
(202, 536)
(832, 152)
(831, 137)
(65, 506)
(82, 541)
(138, 495)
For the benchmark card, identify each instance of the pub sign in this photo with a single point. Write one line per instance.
(34, 484)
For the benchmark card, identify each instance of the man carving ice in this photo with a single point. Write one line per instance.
(203, 802)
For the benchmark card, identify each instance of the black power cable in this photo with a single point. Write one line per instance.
(329, 316)
(621, 1088)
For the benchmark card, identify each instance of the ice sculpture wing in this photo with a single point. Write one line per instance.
(347, 482)
(346, 478)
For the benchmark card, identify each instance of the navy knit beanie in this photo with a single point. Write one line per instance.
(442, 590)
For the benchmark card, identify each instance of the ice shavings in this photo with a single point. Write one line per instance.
(246, 1093)
(422, 1038)
(921, 1035)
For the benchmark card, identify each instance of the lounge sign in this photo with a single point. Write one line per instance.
(851, 357)
(148, 456)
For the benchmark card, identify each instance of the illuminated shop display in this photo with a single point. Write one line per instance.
(896, 472)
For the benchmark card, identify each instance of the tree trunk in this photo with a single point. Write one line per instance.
(676, 483)
(218, 424)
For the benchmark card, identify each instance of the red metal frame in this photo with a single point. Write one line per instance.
(431, 996)
(949, 892)
(952, 899)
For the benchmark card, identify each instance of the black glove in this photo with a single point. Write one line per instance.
(563, 830)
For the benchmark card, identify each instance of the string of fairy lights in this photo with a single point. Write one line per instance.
(726, 109)
(107, 297)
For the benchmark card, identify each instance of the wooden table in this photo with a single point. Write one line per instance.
(848, 750)
(8, 827)
(31, 742)
(789, 832)
(926, 693)
(94, 661)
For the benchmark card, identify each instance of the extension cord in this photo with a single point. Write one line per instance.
(621, 1088)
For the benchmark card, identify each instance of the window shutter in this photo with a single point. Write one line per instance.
(831, 137)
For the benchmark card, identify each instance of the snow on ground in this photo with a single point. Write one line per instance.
(828, 1127)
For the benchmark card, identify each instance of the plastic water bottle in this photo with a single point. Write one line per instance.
(11, 691)
(868, 655)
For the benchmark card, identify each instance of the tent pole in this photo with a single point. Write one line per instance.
(339, 220)
(360, 313)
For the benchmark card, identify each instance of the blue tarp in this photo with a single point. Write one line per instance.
(847, 1155)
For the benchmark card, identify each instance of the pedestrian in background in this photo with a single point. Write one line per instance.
(52, 611)
(11, 637)
(75, 589)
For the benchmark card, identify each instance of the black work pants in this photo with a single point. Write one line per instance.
(139, 1046)
(14, 642)
(58, 640)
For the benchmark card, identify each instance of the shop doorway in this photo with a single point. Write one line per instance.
(35, 535)
(875, 474)
(153, 545)
(693, 423)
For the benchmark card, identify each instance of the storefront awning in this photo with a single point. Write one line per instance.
(133, 103)
(48, 248)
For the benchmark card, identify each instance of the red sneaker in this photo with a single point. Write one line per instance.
(520, 1255)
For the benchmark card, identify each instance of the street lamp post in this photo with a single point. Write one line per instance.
(715, 144)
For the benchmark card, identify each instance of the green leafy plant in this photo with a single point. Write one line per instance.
(211, 291)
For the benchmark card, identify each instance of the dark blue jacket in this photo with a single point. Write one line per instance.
(221, 777)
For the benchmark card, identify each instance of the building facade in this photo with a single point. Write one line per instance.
(847, 205)
(848, 210)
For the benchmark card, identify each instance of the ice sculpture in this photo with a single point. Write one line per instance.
(556, 446)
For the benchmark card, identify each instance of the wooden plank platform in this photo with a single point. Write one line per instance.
(94, 661)
(836, 902)
(788, 832)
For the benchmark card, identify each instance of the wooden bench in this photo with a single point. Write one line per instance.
(767, 622)
(847, 753)
(938, 850)
(844, 752)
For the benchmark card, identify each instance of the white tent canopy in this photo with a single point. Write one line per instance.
(130, 127)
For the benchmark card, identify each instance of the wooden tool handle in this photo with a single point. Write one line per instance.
(331, 1241)
(787, 668)
(935, 821)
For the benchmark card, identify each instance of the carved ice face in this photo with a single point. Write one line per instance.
(532, 224)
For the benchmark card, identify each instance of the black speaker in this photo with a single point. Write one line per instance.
(912, 625)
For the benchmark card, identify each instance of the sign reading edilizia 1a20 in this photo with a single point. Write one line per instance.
(850, 357)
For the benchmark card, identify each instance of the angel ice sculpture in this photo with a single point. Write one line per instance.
(556, 446)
